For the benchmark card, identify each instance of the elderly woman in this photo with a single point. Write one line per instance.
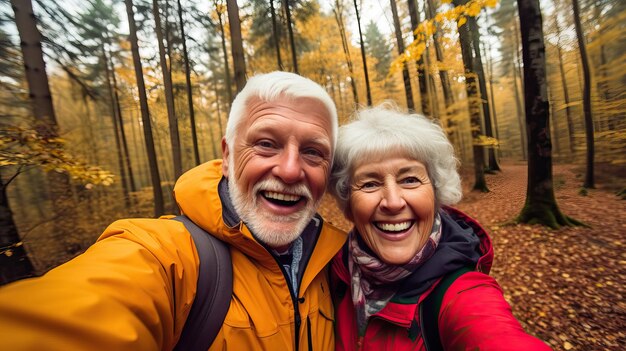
(394, 176)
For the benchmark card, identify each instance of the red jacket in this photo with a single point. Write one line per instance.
(474, 314)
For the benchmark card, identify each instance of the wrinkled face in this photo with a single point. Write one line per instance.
(392, 205)
(278, 166)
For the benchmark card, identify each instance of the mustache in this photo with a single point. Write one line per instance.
(272, 184)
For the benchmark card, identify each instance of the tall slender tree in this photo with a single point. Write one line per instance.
(473, 97)
(275, 33)
(188, 88)
(292, 41)
(236, 44)
(589, 177)
(219, 10)
(169, 94)
(157, 192)
(540, 206)
(338, 10)
(59, 187)
(422, 73)
(408, 92)
(368, 89)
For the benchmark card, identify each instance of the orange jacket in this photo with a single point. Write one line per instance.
(132, 289)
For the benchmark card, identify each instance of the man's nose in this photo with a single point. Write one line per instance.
(392, 200)
(289, 167)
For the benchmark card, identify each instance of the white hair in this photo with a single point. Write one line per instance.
(384, 129)
(272, 86)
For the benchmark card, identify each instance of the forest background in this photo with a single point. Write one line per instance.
(104, 103)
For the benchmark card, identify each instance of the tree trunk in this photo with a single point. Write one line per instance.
(540, 206)
(116, 129)
(145, 112)
(518, 105)
(367, 78)
(492, 164)
(443, 73)
(568, 110)
(59, 187)
(118, 107)
(292, 41)
(422, 74)
(408, 92)
(473, 100)
(589, 177)
(236, 44)
(14, 262)
(188, 88)
(169, 95)
(227, 82)
(279, 60)
(338, 10)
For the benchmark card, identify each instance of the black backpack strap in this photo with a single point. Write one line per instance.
(430, 307)
(213, 293)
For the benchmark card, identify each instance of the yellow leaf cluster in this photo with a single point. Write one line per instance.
(25, 147)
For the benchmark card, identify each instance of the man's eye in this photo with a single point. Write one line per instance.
(265, 144)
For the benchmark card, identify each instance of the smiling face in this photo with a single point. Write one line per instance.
(278, 167)
(392, 205)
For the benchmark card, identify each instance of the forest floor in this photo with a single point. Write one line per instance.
(566, 286)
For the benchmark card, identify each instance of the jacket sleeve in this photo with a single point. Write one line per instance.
(475, 316)
(131, 290)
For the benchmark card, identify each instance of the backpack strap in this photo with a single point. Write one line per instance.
(431, 306)
(213, 292)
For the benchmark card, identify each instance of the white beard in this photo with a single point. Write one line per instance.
(273, 230)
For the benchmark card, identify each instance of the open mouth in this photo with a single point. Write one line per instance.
(392, 228)
(280, 199)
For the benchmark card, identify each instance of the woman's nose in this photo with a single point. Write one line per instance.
(392, 200)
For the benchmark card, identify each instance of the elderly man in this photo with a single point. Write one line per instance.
(132, 290)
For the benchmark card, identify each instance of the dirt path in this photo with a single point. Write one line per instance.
(566, 286)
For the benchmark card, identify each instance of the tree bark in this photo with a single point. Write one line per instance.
(338, 10)
(408, 92)
(589, 176)
(365, 73)
(422, 74)
(518, 104)
(236, 44)
(492, 163)
(59, 186)
(227, 82)
(292, 41)
(169, 95)
(473, 100)
(279, 60)
(118, 107)
(540, 206)
(188, 88)
(145, 112)
(116, 129)
(568, 110)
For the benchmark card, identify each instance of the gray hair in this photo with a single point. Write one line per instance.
(272, 86)
(385, 129)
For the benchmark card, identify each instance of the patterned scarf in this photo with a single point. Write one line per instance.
(374, 282)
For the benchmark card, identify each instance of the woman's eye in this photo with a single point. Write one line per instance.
(313, 152)
(410, 181)
(369, 186)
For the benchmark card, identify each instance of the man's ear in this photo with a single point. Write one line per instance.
(225, 153)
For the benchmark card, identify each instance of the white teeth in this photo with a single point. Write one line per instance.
(394, 227)
(280, 196)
